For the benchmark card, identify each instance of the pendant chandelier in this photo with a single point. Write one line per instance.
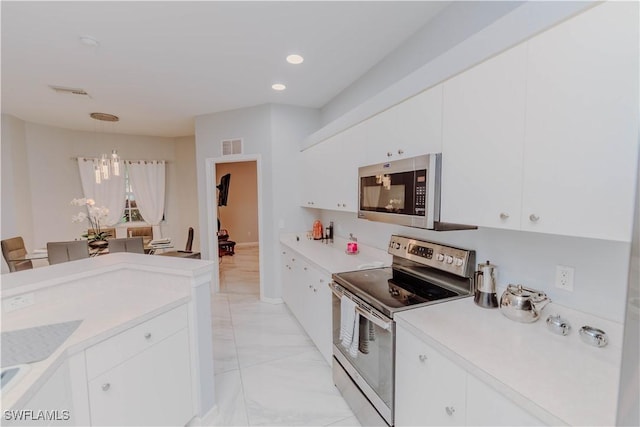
(107, 165)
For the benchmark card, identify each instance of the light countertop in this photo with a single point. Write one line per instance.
(332, 257)
(109, 294)
(558, 379)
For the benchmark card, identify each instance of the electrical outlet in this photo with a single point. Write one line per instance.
(564, 277)
(11, 304)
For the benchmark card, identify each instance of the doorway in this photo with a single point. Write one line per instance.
(238, 251)
(239, 268)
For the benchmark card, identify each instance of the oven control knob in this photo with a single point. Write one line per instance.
(448, 259)
(397, 245)
(439, 257)
(457, 262)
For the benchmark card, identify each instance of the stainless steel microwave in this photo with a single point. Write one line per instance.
(404, 192)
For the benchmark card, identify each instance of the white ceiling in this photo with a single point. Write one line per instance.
(159, 64)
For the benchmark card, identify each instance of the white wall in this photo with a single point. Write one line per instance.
(186, 193)
(530, 259)
(274, 133)
(49, 179)
(16, 213)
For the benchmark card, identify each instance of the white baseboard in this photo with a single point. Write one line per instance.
(272, 300)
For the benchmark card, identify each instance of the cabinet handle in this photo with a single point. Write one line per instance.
(293, 259)
(106, 386)
(534, 217)
(315, 290)
(423, 357)
(389, 154)
(310, 286)
(338, 204)
(450, 410)
(401, 151)
(147, 335)
(344, 205)
(504, 215)
(321, 280)
(284, 253)
(305, 269)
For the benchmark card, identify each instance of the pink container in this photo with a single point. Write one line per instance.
(352, 248)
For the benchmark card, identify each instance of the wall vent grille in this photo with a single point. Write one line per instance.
(231, 146)
(70, 90)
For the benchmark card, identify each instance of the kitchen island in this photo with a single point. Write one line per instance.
(144, 320)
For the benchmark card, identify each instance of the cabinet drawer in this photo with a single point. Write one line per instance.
(123, 346)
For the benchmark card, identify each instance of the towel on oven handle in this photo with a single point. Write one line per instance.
(349, 325)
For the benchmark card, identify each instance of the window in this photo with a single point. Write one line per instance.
(131, 211)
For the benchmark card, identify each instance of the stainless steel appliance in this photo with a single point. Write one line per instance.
(405, 192)
(422, 273)
(485, 280)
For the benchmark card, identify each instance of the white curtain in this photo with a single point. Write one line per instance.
(148, 183)
(109, 193)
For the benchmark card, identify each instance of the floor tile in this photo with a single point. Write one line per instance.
(267, 370)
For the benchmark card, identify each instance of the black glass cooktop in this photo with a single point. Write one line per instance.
(390, 290)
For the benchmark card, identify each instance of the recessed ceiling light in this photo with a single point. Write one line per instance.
(89, 41)
(278, 86)
(295, 59)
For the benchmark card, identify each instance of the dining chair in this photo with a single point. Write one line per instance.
(14, 253)
(145, 232)
(67, 251)
(127, 244)
(187, 253)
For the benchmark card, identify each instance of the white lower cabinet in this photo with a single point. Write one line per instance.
(150, 383)
(432, 390)
(305, 290)
(487, 407)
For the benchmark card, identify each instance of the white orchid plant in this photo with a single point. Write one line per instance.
(95, 215)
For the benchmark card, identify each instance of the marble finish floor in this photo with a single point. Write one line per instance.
(267, 370)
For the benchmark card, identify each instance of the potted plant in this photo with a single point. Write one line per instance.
(95, 215)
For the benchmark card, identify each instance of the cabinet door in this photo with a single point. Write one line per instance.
(582, 125)
(382, 137)
(341, 179)
(313, 175)
(419, 121)
(487, 407)
(151, 388)
(319, 306)
(293, 291)
(430, 390)
(483, 134)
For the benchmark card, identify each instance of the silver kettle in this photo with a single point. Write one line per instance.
(523, 304)
(485, 280)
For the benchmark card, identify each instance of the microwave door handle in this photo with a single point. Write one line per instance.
(373, 318)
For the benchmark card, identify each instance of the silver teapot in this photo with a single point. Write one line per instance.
(523, 304)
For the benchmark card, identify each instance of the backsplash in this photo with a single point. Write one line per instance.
(601, 266)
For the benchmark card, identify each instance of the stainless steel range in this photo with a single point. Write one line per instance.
(364, 303)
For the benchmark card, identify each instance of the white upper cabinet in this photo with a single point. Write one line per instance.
(483, 131)
(411, 128)
(544, 136)
(420, 123)
(581, 139)
(330, 171)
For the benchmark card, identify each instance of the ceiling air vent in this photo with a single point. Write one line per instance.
(231, 146)
(70, 90)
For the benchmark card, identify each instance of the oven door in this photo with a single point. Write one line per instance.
(373, 367)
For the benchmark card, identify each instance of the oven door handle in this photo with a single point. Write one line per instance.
(364, 313)
(374, 319)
